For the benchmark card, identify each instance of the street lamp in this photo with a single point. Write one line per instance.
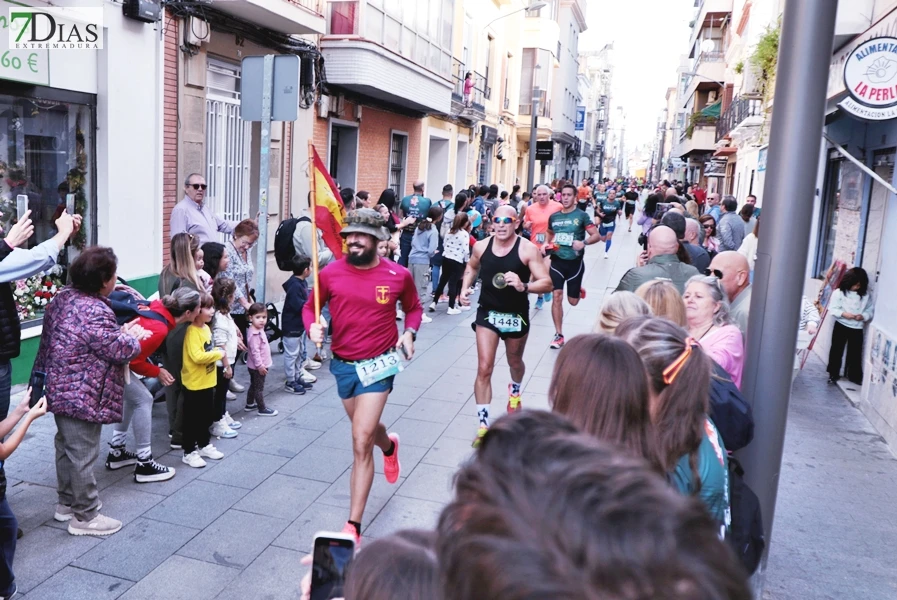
(533, 6)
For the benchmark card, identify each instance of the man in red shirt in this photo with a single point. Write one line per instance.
(363, 290)
(536, 221)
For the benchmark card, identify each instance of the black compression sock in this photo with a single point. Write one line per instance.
(357, 526)
(392, 449)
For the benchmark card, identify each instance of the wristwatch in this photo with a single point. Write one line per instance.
(413, 333)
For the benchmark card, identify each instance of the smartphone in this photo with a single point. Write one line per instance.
(662, 209)
(38, 379)
(21, 206)
(332, 554)
(70, 204)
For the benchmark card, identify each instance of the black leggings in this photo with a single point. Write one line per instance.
(198, 416)
(853, 339)
(452, 273)
(220, 395)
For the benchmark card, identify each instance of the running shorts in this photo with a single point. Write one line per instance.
(483, 320)
(567, 271)
(629, 210)
(606, 228)
(348, 384)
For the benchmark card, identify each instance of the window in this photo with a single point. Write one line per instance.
(397, 163)
(343, 17)
(490, 47)
(409, 28)
(46, 153)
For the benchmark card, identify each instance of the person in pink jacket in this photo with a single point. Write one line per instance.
(707, 314)
(258, 359)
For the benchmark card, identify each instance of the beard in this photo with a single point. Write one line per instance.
(366, 257)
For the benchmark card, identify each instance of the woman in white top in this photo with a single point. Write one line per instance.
(455, 254)
(851, 306)
(748, 247)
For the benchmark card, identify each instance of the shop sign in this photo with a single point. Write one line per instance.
(761, 160)
(885, 27)
(545, 150)
(54, 28)
(29, 66)
(870, 78)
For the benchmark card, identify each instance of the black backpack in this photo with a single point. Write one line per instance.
(127, 308)
(746, 531)
(284, 250)
(730, 411)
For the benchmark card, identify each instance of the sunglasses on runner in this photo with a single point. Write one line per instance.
(198, 186)
(503, 220)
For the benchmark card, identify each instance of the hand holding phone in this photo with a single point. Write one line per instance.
(332, 553)
(21, 206)
(38, 379)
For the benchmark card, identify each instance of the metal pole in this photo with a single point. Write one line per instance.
(800, 96)
(533, 133)
(264, 169)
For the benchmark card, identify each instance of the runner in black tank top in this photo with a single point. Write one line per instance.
(506, 264)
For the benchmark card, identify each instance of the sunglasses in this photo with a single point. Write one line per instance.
(197, 186)
(503, 220)
(713, 273)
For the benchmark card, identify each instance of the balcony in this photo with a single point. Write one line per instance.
(525, 119)
(698, 137)
(382, 60)
(298, 17)
(745, 111)
(711, 12)
(710, 69)
(475, 110)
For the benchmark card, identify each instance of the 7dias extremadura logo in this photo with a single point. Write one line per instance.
(56, 28)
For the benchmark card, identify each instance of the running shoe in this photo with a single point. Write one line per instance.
(453, 311)
(230, 421)
(306, 377)
(312, 364)
(547, 298)
(432, 307)
(481, 433)
(425, 319)
(349, 529)
(582, 293)
(558, 342)
(539, 303)
(465, 307)
(392, 468)
(514, 402)
(605, 256)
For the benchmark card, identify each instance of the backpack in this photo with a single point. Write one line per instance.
(746, 532)
(729, 411)
(284, 250)
(128, 307)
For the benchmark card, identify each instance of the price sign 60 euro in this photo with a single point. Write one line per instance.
(31, 66)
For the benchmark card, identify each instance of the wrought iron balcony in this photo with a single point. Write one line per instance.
(471, 109)
(745, 111)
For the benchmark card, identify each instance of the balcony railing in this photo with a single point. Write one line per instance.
(741, 109)
(480, 90)
(507, 103)
(544, 106)
(316, 6)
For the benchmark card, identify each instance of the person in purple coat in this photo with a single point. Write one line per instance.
(85, 354)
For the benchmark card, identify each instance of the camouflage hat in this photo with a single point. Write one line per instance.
(365, 220)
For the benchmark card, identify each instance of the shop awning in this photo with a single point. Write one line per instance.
(713, 110)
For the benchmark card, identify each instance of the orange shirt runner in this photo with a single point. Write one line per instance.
(538, 215)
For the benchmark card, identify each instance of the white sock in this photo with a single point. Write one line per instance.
(118, 438)
(515, 388)
(483, 415)
(144, 454)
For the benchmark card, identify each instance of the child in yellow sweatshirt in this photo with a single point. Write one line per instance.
(199, 377)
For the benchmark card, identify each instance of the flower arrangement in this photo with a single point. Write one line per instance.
(32, 295)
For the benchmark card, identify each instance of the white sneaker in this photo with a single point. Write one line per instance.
(400, 314)
(605, 256)
(193, 460)
(465, 308)
(453, 311)
(432, 307)
(212, 452)
(311, 364)
(230, 396)
(220, 429)
(306, 377)
(236, 387)
(230, 421)
(425, 319)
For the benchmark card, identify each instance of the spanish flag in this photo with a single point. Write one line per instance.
(330, 213)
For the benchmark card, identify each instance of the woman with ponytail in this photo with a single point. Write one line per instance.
(691, 449)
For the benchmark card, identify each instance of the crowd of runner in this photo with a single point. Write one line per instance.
(647, 409)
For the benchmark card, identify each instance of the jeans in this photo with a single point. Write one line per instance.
(77, 449)
(198, 411)
(137, 405)
(435, 272)
(8, 528)
(405, 247)
(294, 355)
(256, 393)
(5, 387)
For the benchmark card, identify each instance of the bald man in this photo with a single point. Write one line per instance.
(735, 276)
(416, 205)
(661, 262)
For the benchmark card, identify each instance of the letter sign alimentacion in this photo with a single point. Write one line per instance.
(870, 76)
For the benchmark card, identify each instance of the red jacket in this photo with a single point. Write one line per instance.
(141, 365)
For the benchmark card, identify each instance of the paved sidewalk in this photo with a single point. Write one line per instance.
(238, 528)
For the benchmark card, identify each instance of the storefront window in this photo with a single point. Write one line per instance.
(46, 153)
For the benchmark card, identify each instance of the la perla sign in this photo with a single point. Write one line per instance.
(870, 77)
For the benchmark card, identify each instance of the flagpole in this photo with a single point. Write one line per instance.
(314, 234)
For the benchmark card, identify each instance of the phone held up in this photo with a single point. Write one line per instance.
(21, 206)
(332, 554)
(38, 379)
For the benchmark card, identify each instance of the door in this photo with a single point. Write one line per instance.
(883, 165)
(344, 154)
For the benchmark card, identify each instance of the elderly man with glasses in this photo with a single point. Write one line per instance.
(192, 215)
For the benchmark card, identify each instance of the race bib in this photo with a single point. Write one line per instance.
(505, 322)
(540, 238)
(564, 239)
(376, 369)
